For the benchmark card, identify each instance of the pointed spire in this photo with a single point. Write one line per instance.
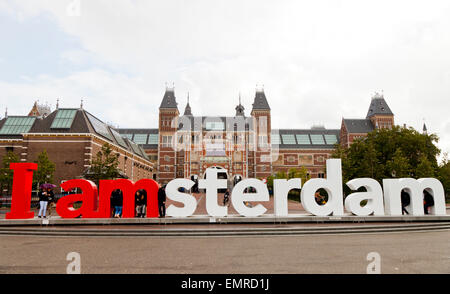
(240, 109)
(6, 112)
(57, 104)
(81, 105)
(187, 110)
(424, 129)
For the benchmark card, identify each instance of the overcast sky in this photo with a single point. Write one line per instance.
(319, 61)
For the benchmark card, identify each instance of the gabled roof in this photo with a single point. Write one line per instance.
(358, 126)
(79, 124)
(2, 122)
(260, 102)
(169, 100)
(131, 134)
(378, 106)
(40, 110)
(79, 121)
(136, 149)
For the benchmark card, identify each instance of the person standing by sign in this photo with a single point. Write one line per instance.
(140, 203)
(43, 202)
(226, 198)
(113, 201)
(319, 198)
(137, 204)
(117, 202)
(162, 201)
(120, 203)
(428, 201)
(51, 201)
(144, 203)
(404, 196)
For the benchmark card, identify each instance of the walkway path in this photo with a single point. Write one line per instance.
(400, 253)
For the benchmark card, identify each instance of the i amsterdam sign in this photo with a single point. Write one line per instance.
(96, 202)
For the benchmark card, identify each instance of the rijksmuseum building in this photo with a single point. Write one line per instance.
(183, 145)
(241, 146)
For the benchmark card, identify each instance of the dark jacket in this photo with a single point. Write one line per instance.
(116, 198)
(429, 200)
(142, 198)
(42, 197)
(51, 196)
(161, 196)
(226, 197)
(405, 198)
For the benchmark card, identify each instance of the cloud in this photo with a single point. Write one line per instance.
(104, 94)
(319, 61)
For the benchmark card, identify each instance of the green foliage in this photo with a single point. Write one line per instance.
(104, 166)
(6, 175)
(390, 153)
(45, 171)
(398, 165)
(292, 173)
(425, 168)
(444, 176)
(270, 182)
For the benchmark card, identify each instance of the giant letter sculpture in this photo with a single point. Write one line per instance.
(88, 197)
(415, 188)
(211, 184)
(374, 197)
(21, 191)
(189, 201)
(333, 186)
(238, 197)
(129, 189)
(281, 189)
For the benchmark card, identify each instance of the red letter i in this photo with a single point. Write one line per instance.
(21, 191)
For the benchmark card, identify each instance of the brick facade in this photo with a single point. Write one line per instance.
(248, 151)
(73, 149)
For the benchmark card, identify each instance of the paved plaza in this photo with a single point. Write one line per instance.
(412, 253)
(401, 252)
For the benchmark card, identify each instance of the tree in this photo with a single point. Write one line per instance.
(6, 174)
(390, 153)
(104, 166)
(424, 168)
(301, 173)
(292, 173)
(46, 168)
(444, 175)
(398, 165)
